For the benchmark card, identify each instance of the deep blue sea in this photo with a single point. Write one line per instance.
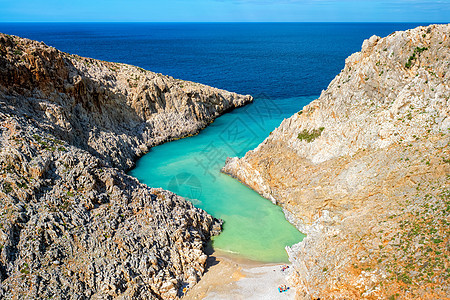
(280, 60)
(283, 65)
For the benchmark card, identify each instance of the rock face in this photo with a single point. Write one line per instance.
(73, 225)
(364, 172)
(114, 111)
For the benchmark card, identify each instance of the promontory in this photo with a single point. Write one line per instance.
(364, 171)
(73, 224)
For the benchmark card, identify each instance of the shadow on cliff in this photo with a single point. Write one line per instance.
(47, 88)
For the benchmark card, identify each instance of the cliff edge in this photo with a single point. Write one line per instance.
(73, 225)
(364, 171)
(115, 111)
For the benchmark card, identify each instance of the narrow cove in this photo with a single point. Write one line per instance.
(254, 228)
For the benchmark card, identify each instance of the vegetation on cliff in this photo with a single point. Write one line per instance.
(372, 190)
(73, 225)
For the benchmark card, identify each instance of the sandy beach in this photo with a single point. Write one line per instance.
(231, 278)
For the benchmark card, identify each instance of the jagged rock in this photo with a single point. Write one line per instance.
(73, 225)
(364, 172)
(114, 111)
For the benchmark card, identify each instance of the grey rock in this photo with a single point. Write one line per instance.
(364, 171)
(73, 224)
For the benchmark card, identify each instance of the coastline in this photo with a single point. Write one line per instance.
(225, 276)
(232, 278)
(358, 169)
(70, 128)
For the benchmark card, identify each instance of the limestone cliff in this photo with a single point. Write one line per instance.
(114, 111)
(364, 171)
(73, 225)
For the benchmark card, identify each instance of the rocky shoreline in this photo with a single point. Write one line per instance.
(364, 172)
(74, 225)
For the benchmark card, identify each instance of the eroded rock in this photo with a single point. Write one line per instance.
(73, 225)
(372, 190)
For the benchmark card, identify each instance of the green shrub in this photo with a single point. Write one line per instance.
(417, 51)
(25, 269)
(7, 188)
(310, 136)
(405, 278)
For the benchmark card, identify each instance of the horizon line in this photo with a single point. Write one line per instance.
(216, 22)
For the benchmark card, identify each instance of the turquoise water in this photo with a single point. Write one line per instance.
(280, 60)
(254, 228)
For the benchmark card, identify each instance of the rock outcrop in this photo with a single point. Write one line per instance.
(73, 225)
(114, 111)
(364, 171)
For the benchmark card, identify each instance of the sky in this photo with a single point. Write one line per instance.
(225, 11)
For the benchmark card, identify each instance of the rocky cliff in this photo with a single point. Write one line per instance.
(114, 111)
(73, 225)
(364, 171)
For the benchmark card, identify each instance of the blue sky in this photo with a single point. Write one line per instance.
(225, 11)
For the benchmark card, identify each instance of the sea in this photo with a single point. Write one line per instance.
(284, 66)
